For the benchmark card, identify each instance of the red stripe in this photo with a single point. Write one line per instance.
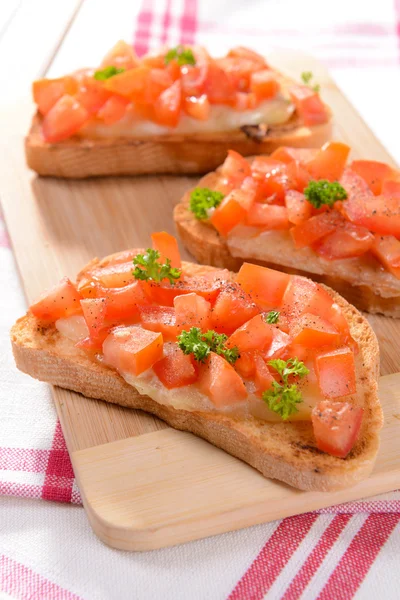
(166, 23)
(188, 22)
(24, 459)
(141, 41)
(315, 559)
(59, 474)
(23, 490)
(22, 583)
(397, 9)
(273, 557)
(359, 556)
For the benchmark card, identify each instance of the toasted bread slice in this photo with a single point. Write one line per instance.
(284, 451)
(175, 153)
(367, 286)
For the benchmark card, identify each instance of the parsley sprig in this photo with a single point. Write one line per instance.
(202, 199)
(147, 267)
(323, 192)
(107, 72)
(306, 78)
(182, 55)
(272, 317)
(282, 398)
(201, 344)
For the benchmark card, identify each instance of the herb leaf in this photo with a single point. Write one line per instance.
(306, 77)
(148, 269)
(272, 317)
(202, 199)
(201, 344)
(182, 55)
(324, 192)
(282, 398)
(107, 72)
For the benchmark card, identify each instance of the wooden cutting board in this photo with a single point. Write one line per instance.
(143, 484)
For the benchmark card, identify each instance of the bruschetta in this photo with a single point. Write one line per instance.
(277, 370)
(176, 111)
(304, 211)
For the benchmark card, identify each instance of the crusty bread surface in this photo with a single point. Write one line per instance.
(283, 451)
(381, 296)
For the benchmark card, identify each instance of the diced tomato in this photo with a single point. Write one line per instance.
(298, 176)
(46, 92)
(346, 242)
(298, 207)
(308, 105)
(62, 300)
(175, 369)
(121, 56)
(315, 228)
(264, 84)
(167, 246)
(245, 365)
(132, 349)
(387, 249)
(380, 214)
(174, 70)
(245, 101)
(239, 70)
(262, 166)
(235, 168)
(373, 172)
(232, 309)
(220, 382)
(192, 310)
(263, 379)
(336, 426)
(94, 344)
(281, 341)
(228, 214)
(92, 95)
(255, 334)
(218, 86)
(242, 52)
(391, 188)
(302, 295)
(336, 373)
(354, 184)
(288, 155)
(165, 292)
(268, 216)
(94, 311)
(197, 107)
(123, 303)
(114, 275)
(193, 79)
(131, 83)
(154, 61)
(329, 162)
(265, 286)
(160, 318)
(311, 331)
(158, 81)
(168, 106)
(113, 110)
(64, 119)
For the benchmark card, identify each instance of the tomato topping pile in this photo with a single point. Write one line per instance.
(338, 211)
(269, 345)
(162, 88)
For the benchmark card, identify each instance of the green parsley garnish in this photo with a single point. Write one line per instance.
(272, 317)
(148, 269)
(201, 344)
(282, 397)
(182, 55)
(306, 77)
(107, 72)
(202, 199)
(324, 192)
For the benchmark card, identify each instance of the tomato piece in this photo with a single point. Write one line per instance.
(308, 104)
(94, 312)
(264, 84)
(62, 300)
(92, 95)
(197, 107)
(218, 86)
(113, 110)
(373, 172)
(160, 318)
(387, 249)
(245, 101)
(131, 84)
(192, 310)
(64, 119)
(255, 334)
(157, 82)
(354, 184)
(165, 292)
(262, 377)
(235, 168)
(298, 176)
(336, 373)
(281, 341)
(336, 426)
(262, 166)
(329, 162)
(346, 242)
(315, 228)
(391, 187)
(220, 382)
(46, 92)
(167, 246)
(288, 155)
(298, 207)
(265, 286)
(232, 309)
(228, 214)
(245, 365)
(175, 369)
(242, 52)
(380, 214)
(113, 276)
(193, 78)
(122, 56)
(167, 107)
(302, 295)
(312, 331)
(268, 216)
(132, 349)
(123, 303)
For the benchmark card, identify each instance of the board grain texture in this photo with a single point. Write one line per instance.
(143, 484)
